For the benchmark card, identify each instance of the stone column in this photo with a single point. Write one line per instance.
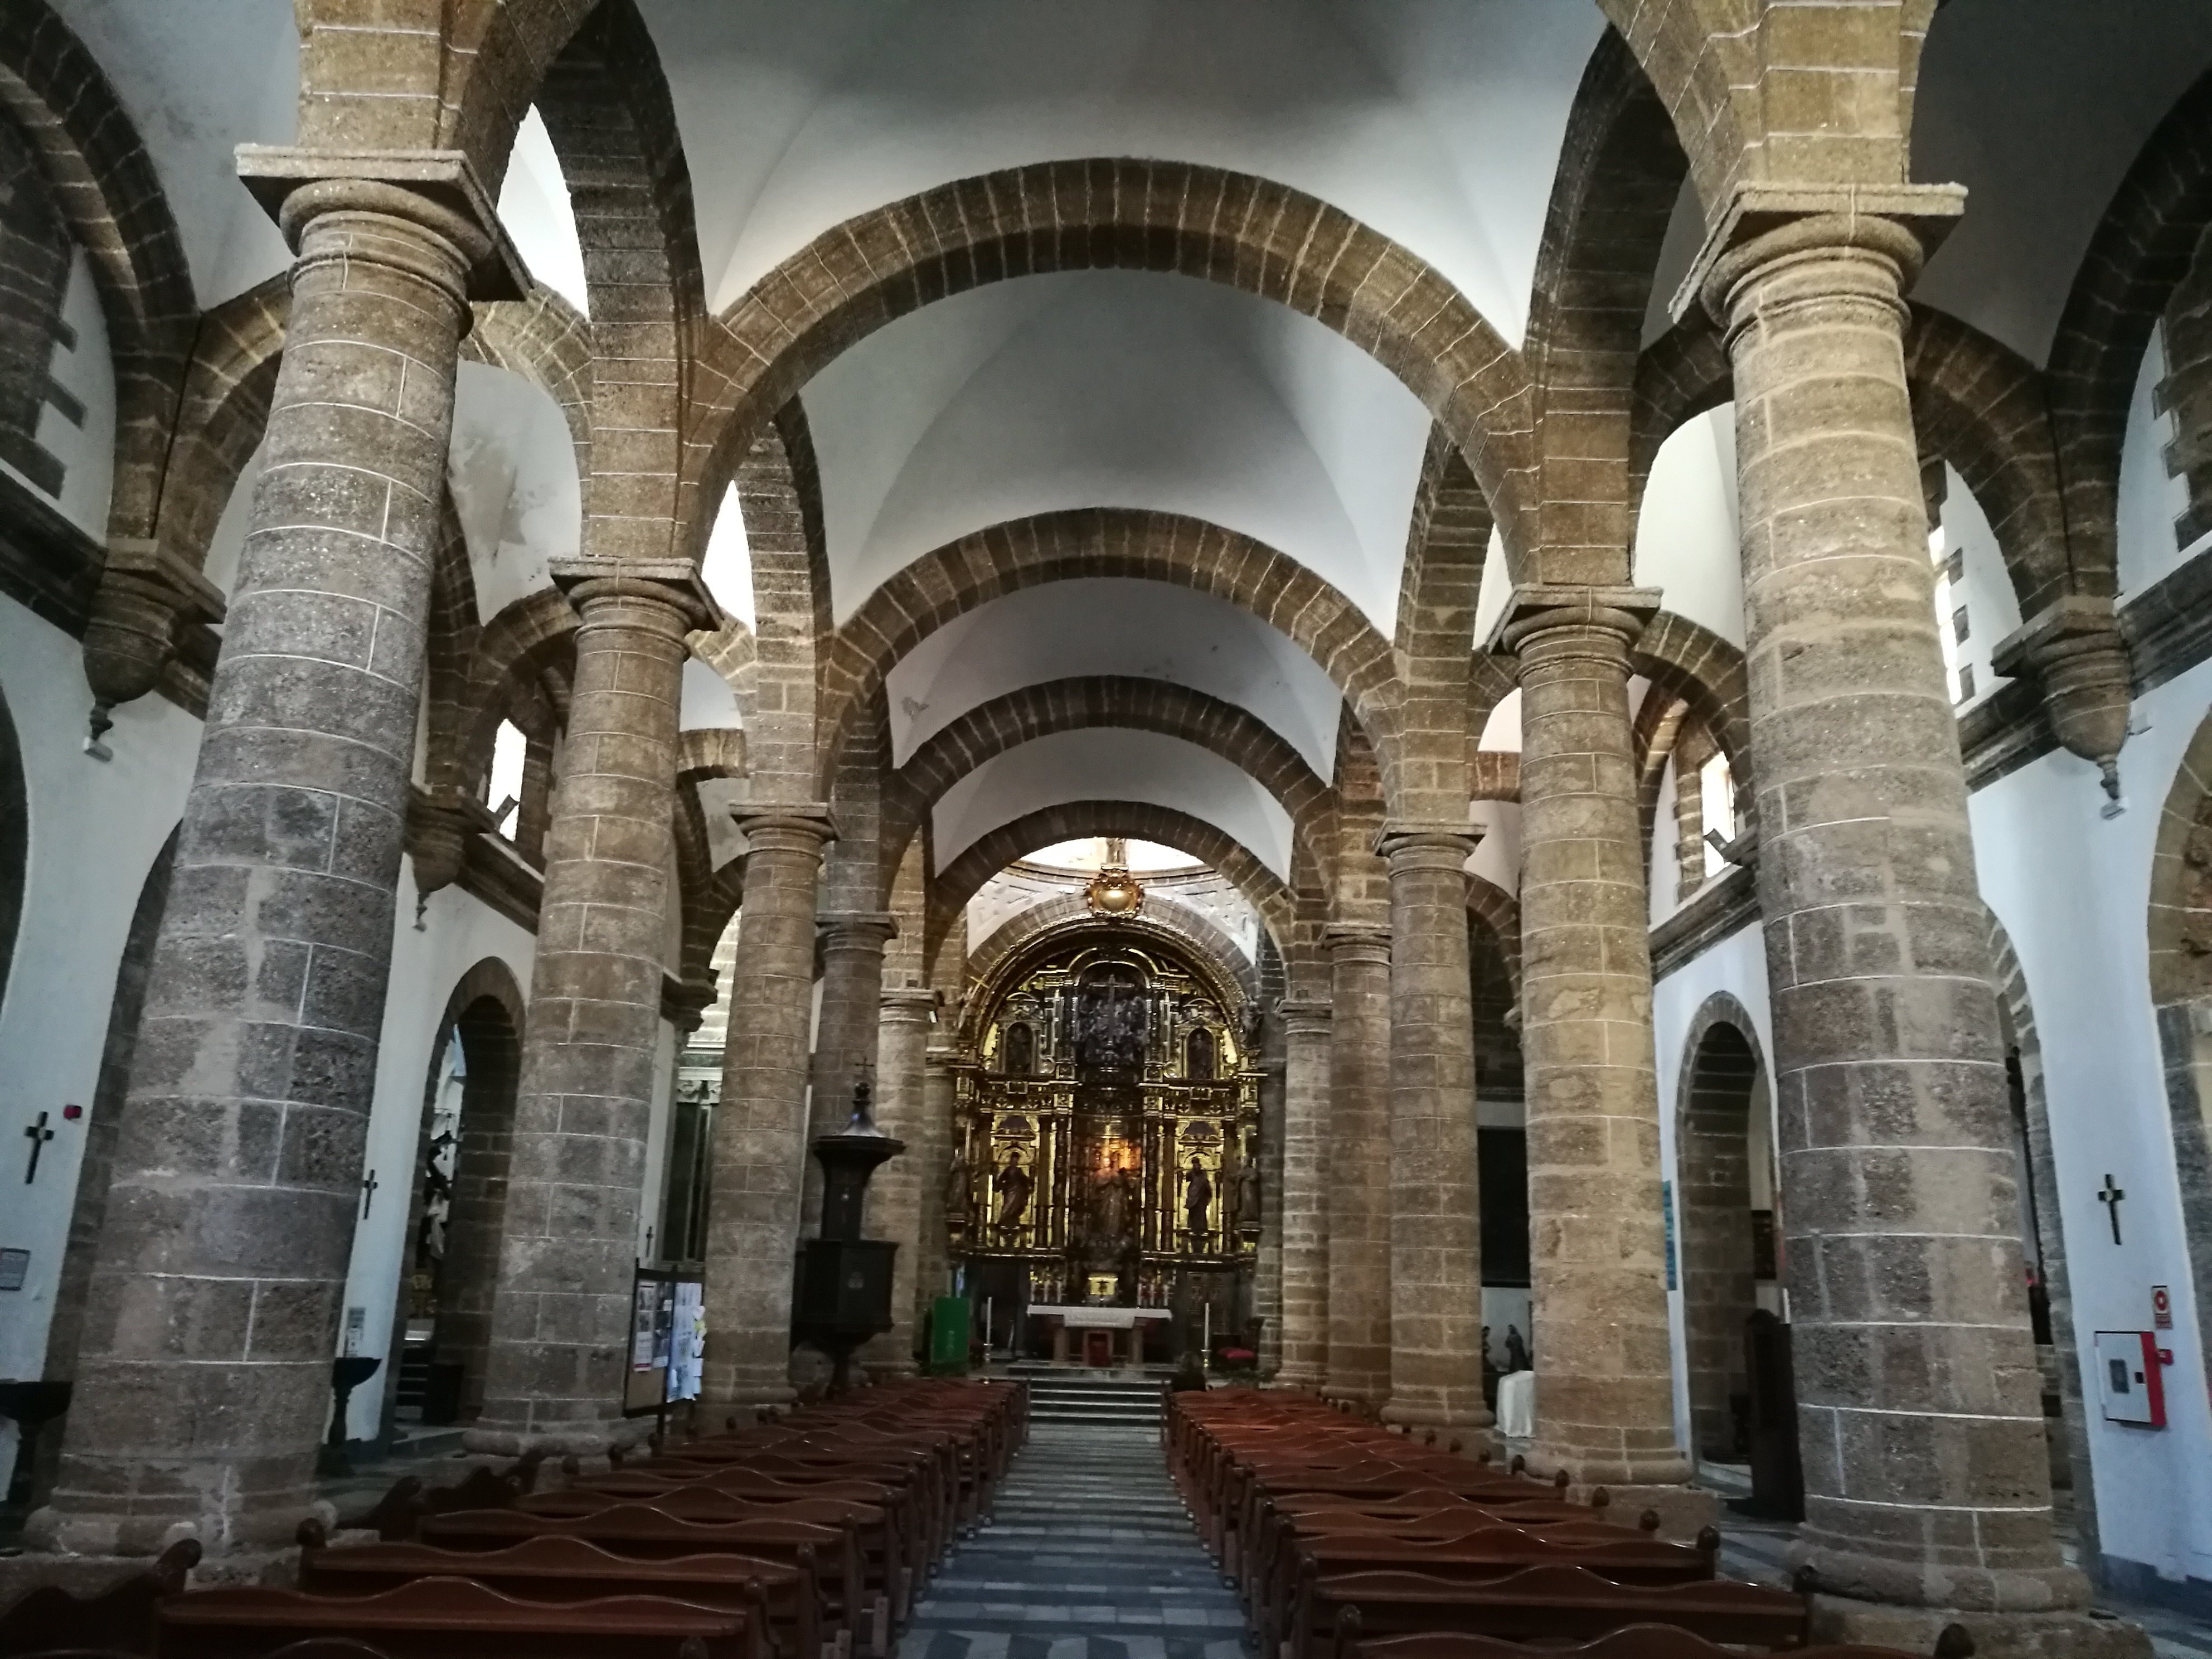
(1436, 1206)
(932, 1152)
(1926, 1476)
(1308, 1161)
(895, 1195)
(204, 1383)
(845, 1036)
(1605, 1394)
(560, 1315)
(1358, 1172)
(1268, 1258)
(760, 1128)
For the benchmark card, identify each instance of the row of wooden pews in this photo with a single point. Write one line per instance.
(1344, 1541)
(806, 1536)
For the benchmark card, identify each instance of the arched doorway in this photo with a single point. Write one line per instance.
(455, 1211)
(1723, 1171)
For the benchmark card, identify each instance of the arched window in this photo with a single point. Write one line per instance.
(1198, 1056)
(1021, 1051)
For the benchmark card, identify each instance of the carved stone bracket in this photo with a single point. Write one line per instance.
(147, 592)
(2073, 651)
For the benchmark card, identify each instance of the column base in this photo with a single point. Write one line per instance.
(1434, 1411)
(87, 1575)
(1683, 1511)
(2069, 1635)
(584, 1441)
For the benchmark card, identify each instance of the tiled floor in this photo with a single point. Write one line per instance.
(1088, 1555)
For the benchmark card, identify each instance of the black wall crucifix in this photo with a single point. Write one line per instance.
(367, 1193)
(2110, 1198)
(38, 1135)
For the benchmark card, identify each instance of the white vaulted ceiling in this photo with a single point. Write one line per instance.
(1437, 122)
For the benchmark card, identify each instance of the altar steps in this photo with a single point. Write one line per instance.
(1106, 1399)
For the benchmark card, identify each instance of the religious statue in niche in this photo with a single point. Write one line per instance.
(1197, 1197)
(1111, 1021)
(1198, 1056)
(1244, 1196)
(1021, 1051)
(1013, 1186)
(1113, 1206)
(957, 1199)
(1248, 1027)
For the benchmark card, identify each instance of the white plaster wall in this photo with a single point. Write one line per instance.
(1687, 544)
(708, 701)
(1437, 122)
(1117, 389)
(1737, 965)
(512, 473)
(535, 208)
(459, 932)
(1113, 763)
(199, 78)
(1985, 587)
(95, 830)
(1666, 882)
(1149, 630)
(2072, 889)
(726, 565)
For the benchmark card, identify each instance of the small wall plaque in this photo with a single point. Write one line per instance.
(15, 1266)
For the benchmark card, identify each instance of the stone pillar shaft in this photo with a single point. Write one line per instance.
(760, 1128)
(932, 1152)
(204, 1377)
(1268, 1259)
(1436, 1200)
(895, 1195)
(1604, 1369)
(1308, 1165)
(845, 1036)
(1358, 1175)
(559, 1321)
(1926, 1474)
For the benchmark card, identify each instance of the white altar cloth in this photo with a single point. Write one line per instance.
(1516, 1404)
(1105, 1319)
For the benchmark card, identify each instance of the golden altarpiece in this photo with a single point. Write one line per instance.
(1106, 1147)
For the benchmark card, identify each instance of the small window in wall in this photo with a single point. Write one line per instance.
(1717, 799)
(504, 792)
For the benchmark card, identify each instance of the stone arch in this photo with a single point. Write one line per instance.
(106, 186)
(487, 1013)
(2138, 255)
(529, 637)
(2181, 928)
(1091, 701)
(990, 963)
(1500, 913)
(221, 415)
(1092, 542)
(2033, 1102)
(1620, 173)
(1704, 71)
(14, 839)
(1259, 237)
(1681, 374)
(959, 881)
(780, 502)
(111, 1093)
(1722, 1071)
(546, 340)
(608, 113)
(1445, 547)
(1696, 665)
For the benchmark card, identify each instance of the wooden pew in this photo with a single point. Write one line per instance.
(52, 1621)
(450, 1619)
(1630, 1642)
(1551, 1603)
(782, 1597)
(829, 1555)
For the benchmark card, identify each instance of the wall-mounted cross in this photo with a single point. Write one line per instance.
(367, 1193)
(2110, 1198)
(38, 1135)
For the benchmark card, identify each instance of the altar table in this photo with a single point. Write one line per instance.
(1110, 1336)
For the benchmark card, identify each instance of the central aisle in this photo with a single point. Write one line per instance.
(1089, 1555)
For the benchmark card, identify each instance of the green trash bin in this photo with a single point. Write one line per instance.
(948, 1336)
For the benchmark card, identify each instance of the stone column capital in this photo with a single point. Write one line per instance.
(910, 1006)
(436, 192)
(856, 930)
(1408, 847)
(1305, 1016)
(1357, 941)
(1546, 619)
(1767, 226)
(803, 829)
(671, 587)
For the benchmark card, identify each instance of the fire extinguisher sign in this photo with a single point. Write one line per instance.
(2162, 1308)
